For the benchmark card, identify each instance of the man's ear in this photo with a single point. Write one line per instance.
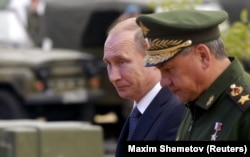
(204, 54)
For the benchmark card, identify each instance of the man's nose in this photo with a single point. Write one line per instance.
(114, 75)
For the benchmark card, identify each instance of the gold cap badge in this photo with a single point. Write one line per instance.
(144, 29)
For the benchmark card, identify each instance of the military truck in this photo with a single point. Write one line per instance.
(49, 83)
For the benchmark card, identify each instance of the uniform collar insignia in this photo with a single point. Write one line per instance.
(243, 99)
(236, 90)
(210, 100)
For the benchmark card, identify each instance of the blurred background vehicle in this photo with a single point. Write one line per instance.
(48, 83)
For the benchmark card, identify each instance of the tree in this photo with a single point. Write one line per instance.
(237, 37)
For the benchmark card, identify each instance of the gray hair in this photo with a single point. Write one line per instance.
(216, 46)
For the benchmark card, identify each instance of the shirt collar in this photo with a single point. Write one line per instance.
(146, 100)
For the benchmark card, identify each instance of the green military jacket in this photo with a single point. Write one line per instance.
(223, 111)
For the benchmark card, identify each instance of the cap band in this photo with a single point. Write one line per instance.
(157, 56)
(162, 43)
(168, 33)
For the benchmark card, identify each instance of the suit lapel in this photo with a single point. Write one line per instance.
(124, 131)
(150, 115)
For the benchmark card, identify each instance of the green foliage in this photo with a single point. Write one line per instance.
(237, 37)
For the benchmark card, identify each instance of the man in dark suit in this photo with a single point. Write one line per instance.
(161, 111)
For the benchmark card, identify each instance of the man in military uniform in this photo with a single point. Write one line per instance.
(186, 46)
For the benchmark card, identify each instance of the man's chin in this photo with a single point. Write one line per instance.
(123, 95)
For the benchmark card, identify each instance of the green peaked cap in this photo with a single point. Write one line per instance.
(167, 33)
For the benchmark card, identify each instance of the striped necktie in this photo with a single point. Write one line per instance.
(133, 119)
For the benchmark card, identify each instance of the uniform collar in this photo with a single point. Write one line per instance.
(224, 81)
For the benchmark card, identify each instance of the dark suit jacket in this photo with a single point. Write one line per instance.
(159, 122)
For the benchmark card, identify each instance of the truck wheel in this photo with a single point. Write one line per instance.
(10, 107)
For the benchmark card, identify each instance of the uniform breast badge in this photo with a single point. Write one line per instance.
(217, 128)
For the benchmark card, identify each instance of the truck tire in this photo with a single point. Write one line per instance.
(10, 107)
